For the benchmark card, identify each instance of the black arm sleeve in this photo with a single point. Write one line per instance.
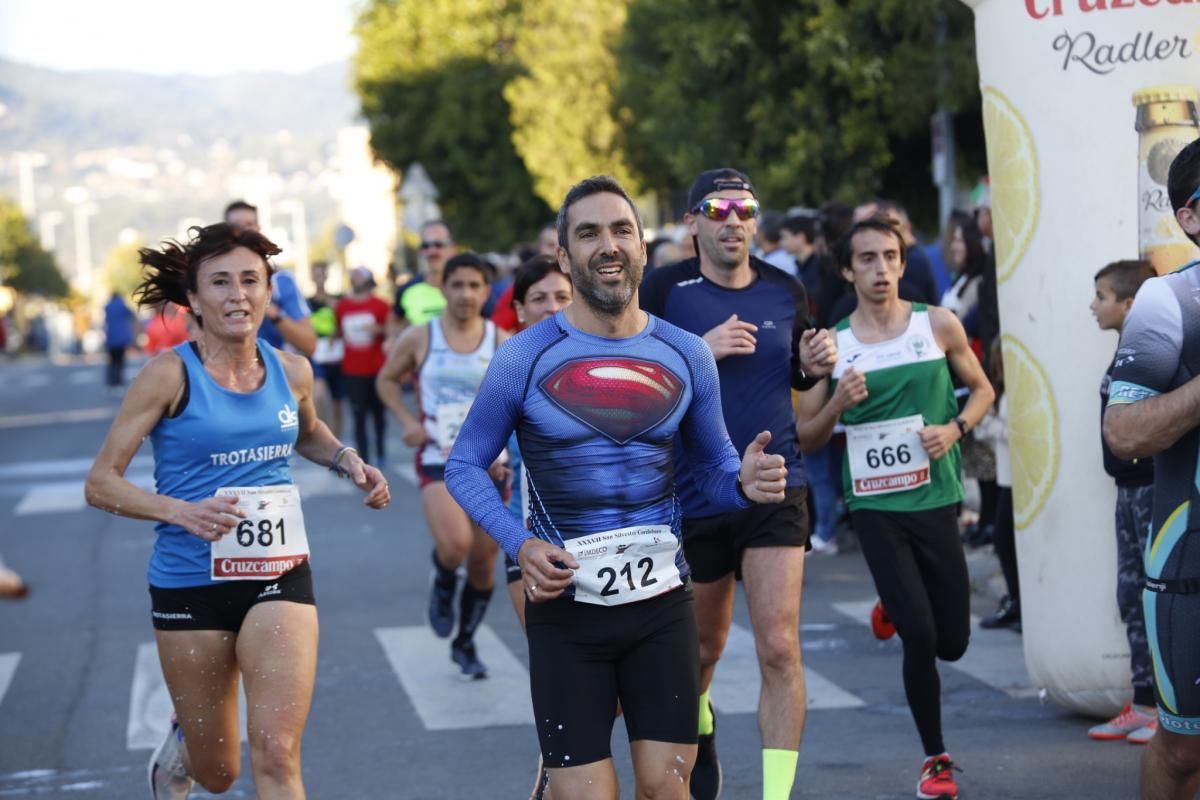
(803, 322)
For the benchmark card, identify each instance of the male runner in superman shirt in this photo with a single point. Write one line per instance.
(597, 394)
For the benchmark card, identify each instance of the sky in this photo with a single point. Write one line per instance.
(199, 37)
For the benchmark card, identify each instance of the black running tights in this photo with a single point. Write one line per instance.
(365, 400)
(920, 572)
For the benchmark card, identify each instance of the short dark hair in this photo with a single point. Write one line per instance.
(1126, 276)
(883, 205)
(834, 220)
(1184, 176)
(844, 252)
(239, 205)
(532, 271)
(801, 225)
(597, 184)
(770, 226)
(469, 261)
(171, 271)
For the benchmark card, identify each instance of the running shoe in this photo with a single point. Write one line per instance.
(441, 608)
(706, 775)
(881, 623)
(168, 779)
(1144, 734)
(821, 547)
(937, 779)
(542, 781)
(463, 654)
(1129, 720)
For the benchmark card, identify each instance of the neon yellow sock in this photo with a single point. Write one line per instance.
(706, 716)
(779, 771)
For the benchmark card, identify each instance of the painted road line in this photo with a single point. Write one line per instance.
(8, 667)
(150, 703)
(736, 682)
(996, 658)
(58, 417)
(59, 497)
(443, 699)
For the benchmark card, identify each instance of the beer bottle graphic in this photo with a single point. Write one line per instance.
(1167, 122)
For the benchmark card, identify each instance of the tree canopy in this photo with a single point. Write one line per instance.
(562, 102)
(815, 99)
(431, 77)
(24, 265)
(509, 102)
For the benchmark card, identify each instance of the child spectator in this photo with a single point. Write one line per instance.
(1116, 285)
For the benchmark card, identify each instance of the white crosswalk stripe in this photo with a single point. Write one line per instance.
(66, 496)
(8, 667)
(443, 699)
(150, 703)
(737, 680)
(996, 658)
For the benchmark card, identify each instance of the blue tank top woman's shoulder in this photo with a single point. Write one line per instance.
(219, 438)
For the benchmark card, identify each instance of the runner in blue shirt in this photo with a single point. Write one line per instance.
(754, 318)
(597, 394)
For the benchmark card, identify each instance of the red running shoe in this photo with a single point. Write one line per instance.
(937, 779)
(881, 624)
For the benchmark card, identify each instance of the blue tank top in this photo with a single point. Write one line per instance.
(221, 438)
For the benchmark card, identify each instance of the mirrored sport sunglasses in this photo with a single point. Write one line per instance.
(1195, 196)
(718, 208)
(427, 244)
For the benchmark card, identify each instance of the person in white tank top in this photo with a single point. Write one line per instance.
(448, 356)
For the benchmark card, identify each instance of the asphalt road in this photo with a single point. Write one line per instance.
(81, 700)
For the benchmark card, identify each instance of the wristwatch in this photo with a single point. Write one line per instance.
(962, 426)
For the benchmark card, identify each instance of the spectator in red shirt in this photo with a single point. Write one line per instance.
(167, 328)
(362, 324)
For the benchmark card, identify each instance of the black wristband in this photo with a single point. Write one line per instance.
(962, 426)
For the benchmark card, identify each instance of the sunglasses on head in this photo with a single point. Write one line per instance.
(718, 208)
(1195, 196)
(427, 244)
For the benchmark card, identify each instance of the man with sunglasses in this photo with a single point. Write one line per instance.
(420, 300)
(1153, 409)
(754, 318)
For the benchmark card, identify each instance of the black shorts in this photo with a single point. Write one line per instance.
(583, 658)
(713, 545)
(224, 606)
(332, 374)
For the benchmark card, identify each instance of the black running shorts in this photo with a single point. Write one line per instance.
(583, 658)
(714, 545)
(223, 606)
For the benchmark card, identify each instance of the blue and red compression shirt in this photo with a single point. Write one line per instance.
(596, 420)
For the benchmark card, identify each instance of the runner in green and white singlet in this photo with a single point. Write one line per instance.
(892, 389)
(886, 468)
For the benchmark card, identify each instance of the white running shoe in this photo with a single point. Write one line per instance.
(1144, 734)
(168, 779)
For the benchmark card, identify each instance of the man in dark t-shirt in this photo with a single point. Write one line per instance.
(754, 318)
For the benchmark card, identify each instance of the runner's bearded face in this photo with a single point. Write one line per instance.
(606, 252)
(876, 266)
(232, 292)
(466, 291)
(725, 243)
